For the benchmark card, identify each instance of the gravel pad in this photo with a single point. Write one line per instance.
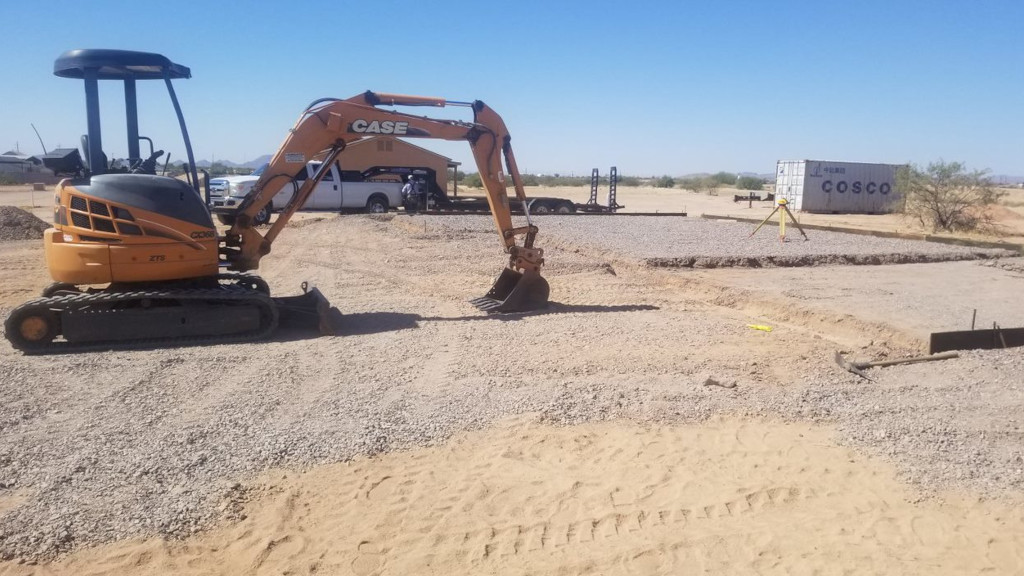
(699, 243)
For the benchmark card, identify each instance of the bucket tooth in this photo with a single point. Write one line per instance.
(515, 291)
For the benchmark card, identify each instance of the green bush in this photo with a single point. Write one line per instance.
(473, 181)
(946, 196)
(724, 178)
(706, 184)
(749, 183)
(665, 182)
(529, 180)
(691, 184)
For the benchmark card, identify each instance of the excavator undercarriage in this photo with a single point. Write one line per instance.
(227, 308)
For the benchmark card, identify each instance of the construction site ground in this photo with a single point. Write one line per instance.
(676, 409)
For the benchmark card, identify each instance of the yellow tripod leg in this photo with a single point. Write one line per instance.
(763, 222)
(797, 224)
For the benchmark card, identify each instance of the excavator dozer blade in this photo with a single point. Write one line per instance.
(515, 292)
(309, 311)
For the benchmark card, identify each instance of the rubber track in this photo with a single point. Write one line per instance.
(224, 294)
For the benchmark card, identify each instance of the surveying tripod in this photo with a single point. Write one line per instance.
(781, 203)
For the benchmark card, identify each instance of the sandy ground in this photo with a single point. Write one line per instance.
(1009, 212)
(735, 493)
(918, 299)
(730, 497)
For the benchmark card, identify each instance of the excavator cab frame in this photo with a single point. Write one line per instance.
(94, 65)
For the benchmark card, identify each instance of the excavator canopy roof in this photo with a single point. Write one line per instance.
(118, 65)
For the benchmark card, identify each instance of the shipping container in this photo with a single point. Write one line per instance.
(837, 187)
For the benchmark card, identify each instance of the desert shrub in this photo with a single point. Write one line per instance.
(705, 184)
(473, 180)
(691, 184)
(665, 182)
(724, 178)
(749, 183)
(947, 196)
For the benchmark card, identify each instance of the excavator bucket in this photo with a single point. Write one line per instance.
(309, 311)
(515, 292)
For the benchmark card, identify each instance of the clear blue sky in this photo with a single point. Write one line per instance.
(669, 87)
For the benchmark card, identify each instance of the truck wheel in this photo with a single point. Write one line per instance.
(377, 205)
(540, 207)
(565, 207)
(226, 219)
(263, 216)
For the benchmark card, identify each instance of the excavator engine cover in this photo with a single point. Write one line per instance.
(515, 291)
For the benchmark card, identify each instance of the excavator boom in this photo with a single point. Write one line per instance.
(328, 125)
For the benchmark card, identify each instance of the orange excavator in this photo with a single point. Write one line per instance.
(137, 260)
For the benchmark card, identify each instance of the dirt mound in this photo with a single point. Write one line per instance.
(17, 224)
(817, 260)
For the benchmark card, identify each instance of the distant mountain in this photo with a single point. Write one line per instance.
(254, 164)
(251, 164)
(763, 176)
(768, 176)
(207, 163)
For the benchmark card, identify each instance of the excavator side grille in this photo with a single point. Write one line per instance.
(98, 208)
(103, 225)
(101, 217)
(80, 220)
(129, 229)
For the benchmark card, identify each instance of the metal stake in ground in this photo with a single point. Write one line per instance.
(782, 221)
(858, 367)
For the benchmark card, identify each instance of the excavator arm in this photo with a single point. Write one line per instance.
(328, 125)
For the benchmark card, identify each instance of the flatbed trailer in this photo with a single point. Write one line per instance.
(441, 202)
(538, 205)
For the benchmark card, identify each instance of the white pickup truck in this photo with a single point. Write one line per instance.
(337, 191)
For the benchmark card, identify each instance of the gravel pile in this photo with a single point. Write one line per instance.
(699, 243)
(17, 224)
